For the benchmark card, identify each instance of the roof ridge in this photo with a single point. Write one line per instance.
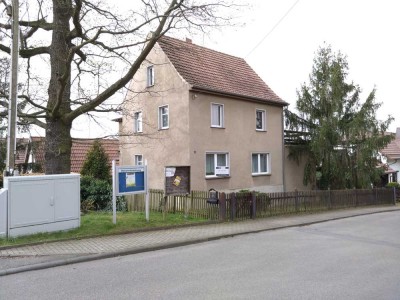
(199, 46)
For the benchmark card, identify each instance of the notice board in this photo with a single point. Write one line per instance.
(131, 180)
(177, 180)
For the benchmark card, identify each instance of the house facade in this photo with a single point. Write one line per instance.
(192, 106)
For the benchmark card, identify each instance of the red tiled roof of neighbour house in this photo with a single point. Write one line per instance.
(22, 150)
(392, 150)
(80, 148)
(215, 72)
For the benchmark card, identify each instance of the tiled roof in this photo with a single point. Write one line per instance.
(80, 148)
(392, 150)
(216, 72)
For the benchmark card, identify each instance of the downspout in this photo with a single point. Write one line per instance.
(283, 151)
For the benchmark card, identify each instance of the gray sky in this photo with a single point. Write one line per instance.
(366, 31)
(279, 40)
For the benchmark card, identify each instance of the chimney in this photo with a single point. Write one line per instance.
(398, 133)
(190, 41)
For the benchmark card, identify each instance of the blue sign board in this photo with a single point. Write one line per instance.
(131, 180)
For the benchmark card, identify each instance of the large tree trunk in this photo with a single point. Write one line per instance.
(58, 148)
(58, 131)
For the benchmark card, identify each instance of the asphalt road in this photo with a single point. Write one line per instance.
(354, 258)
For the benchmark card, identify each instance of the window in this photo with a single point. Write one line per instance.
(217, 115)
(138, 123)
(163, 117)
(217, 164)
(260, 163)
(150, 76)
(260, 120)
(138, 160)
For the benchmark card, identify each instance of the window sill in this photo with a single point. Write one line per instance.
(217, 127)
(260, 174)
(166, 128)
(261, 130)
(217, 177)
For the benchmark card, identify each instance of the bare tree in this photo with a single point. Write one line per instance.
(72, 48)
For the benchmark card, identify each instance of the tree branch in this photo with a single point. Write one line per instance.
(111, 90)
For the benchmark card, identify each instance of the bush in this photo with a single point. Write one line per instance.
(96, 163)
(393, 184)
(97, 194)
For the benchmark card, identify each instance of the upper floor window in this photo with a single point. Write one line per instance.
(163, 117)
(260, 163)
(138, 122)
(138, 160)
(150, 76)
(217, 164)
(260, 120)
(217, 115)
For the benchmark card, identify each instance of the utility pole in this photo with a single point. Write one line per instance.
(12, 105)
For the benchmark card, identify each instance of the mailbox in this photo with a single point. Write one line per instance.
(213, 199)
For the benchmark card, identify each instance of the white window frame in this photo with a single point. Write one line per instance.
(263, 121)
(138, 122)
(219, 170)
(160, 117)
(268, 163)
(150, 76)
(220, 112)
(138, 159)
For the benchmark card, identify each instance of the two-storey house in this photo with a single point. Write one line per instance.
(193, 106)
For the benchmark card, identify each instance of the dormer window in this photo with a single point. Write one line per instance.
(150, 76)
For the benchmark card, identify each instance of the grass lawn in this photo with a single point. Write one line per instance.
(100, 223)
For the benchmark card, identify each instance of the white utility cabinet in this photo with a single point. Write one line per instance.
(42, 203)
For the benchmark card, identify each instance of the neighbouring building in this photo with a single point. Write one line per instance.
(193, 106)
(392, 154)
(30, 153)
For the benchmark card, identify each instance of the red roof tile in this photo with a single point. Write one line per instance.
(392, 150)
(216, 72)
(80, 148)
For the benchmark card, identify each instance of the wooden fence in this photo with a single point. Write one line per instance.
(239, 206)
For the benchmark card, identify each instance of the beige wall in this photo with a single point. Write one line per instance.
(159, 147)
(239, 138)
(294, 173)
(190, 135)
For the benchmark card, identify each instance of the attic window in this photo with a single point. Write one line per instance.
(150, 76)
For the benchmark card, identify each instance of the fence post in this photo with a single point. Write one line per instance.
(329, 198)
(296, 200)
(185, 207)
(222, 206)
(355, 194)
(233, 206)
(376, 196)
(394, 195)
(253, 205)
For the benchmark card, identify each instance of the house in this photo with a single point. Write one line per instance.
(392, 154)
(193, 106)
(30, 153)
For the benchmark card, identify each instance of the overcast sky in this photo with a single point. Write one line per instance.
(280, 38)
(368, 32)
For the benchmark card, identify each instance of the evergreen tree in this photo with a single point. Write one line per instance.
(339, 134)
(96, 163)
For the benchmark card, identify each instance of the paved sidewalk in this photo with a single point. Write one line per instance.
(34, 257)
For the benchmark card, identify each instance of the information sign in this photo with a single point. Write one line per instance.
(131, 180)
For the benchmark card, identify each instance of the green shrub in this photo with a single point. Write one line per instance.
(393, 184)
(97, 194)
(96, 163)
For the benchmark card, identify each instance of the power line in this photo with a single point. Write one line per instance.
(273, 28)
